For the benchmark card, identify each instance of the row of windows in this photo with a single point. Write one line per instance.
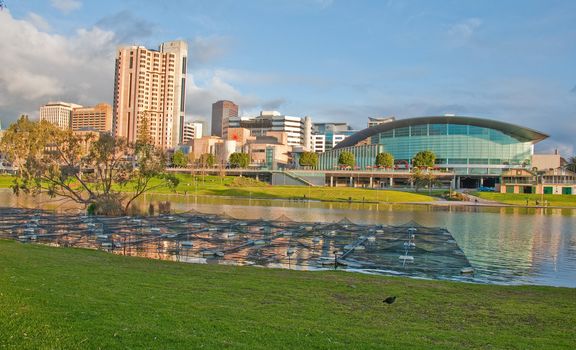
(447, 129)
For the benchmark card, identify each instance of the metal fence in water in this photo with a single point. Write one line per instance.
(408, 249)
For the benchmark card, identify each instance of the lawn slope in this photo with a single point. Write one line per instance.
(82, 299)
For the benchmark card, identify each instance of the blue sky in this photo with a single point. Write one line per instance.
(334, 60)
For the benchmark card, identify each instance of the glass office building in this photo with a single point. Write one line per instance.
(465, 145)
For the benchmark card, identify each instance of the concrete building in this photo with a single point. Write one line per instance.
(192, 130)
(545, 161)
(294, 127)
(239, 135)
(379, 120)
(98, 118)
(551, 181)
(151, 84)
(58, 113)
(269, 151)
(476, 150)
(222, 111)
(205, 144)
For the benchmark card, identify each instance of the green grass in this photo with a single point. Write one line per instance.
(216, 186)
(520, 199)
(6, 181)
(55, 298)
(223, 186)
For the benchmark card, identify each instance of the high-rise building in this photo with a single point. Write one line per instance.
(98, 118)
(222, 111)
(192, 130)
(273, 121)
(151, 84)
(58, 113)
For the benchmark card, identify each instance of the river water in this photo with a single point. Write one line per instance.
(504, 245)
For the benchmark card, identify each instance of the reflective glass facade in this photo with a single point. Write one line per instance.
(465, 149)
(455, 144)
(365, 156)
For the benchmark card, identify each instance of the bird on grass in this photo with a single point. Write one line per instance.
(389, 300)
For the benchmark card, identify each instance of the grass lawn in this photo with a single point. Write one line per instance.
(6, 181)
(217, 186)
(520, 199)
(81, 299)
(221, 186)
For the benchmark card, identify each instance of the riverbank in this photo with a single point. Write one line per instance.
(529, 200)
(75, 298)
(230, 186)
(235, 187)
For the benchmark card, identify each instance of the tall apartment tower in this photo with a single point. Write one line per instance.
(221, 113)
(151, 84)
(58, 113)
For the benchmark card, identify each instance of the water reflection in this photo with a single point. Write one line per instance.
(409, 249)
(512, 245)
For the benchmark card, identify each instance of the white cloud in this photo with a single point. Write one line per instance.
(66, 6)
(38, 22)
(206, 87)
(79, 68)
(42, 66)
(464, 31)
(206, 49)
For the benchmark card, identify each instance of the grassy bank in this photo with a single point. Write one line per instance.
(520, 199)
(230, 186)
(73, 298)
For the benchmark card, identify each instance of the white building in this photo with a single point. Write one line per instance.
(192, 130)
(294, 127)
(327, 135)
(58, 113)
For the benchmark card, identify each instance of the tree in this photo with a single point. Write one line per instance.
(239, 160)
(346, 159)
(207, 160)
(103, 173)
(179, 159)
(571, 164)
(309, 159)
(424, 159)
(144, 136)
(385, 160)
(422, 179)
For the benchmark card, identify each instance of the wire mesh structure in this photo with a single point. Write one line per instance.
(408, 249)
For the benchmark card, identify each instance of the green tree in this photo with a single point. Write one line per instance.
(385, 160)
(423, 179)
(103, 173)
(239, 160)
(309, 159)
(144, 136)
(346, 159)
(207, 160)
(424, 159)
(179, 159)
(571, 165)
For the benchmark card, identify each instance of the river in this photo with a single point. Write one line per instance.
(505, 245)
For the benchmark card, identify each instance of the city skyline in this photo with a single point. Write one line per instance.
(331, 60)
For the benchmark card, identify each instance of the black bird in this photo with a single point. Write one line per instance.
(389, 300)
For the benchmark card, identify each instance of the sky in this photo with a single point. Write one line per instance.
(332, 60)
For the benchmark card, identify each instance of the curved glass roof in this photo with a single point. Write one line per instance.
(520, 133)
